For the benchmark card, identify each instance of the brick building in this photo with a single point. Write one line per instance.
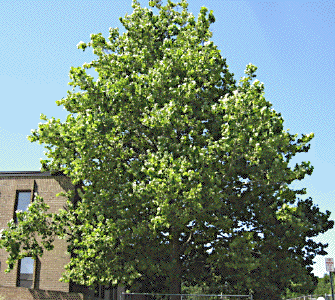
(16, 192)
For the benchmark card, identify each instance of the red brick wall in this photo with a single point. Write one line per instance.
(52, 262)
(10, 293)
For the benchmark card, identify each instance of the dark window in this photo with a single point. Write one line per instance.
(25, 272)
(96, 290)
(102, 292)
(113, 293)
(99, 291)
(22, 201)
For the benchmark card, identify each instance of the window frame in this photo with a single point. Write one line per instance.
(17, 201)
(19, 280)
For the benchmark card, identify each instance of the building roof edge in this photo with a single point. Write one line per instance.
(28, 173)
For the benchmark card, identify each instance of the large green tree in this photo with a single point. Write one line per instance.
(324, 286)
(183, 175)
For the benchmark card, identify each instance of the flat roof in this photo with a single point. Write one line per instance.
(26, 173)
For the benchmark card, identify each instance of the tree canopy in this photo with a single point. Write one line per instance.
(183, 174)
(324, 285)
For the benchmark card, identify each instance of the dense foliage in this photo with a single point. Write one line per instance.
(184, 175)
(324, 286)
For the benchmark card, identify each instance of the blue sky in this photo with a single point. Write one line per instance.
(291, 42)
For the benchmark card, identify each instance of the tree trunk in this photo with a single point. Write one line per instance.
(175, 271)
